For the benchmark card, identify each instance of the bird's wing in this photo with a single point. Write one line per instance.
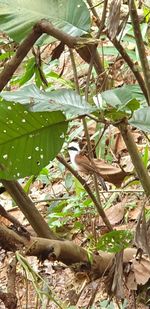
(108, 172)
(84, 164)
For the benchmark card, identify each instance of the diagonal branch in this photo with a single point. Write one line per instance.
(140, 45)
(88, 190)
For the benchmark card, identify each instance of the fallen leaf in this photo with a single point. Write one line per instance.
(131, 281)
(142, 270)
(115, 213)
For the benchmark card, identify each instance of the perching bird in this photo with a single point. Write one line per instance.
(103, 170)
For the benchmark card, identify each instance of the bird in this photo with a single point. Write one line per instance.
(105, 172)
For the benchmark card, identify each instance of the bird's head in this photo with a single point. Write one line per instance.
(73, 150)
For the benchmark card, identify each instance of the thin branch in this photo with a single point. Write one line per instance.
(75, 74)
(14, 221)
(131, 65)
(88, 190)
(92, 8)
(86, 97)
(94, 49)
(55, 199)
(140, 45)
(135, 156)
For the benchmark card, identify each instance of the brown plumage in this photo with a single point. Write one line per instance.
(109, 173)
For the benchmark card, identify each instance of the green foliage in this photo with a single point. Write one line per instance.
(121, 99)
(28, 184)
(115, 241)
(141, 119)
(61, 212)
(17, 17)
(29, 71)
(28, 141)
(145, 157)
(38, 119)
(120, 102)
(37, 100)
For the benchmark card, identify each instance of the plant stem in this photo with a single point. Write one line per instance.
(140, 45)
(75, 74)
(135, 156)
(93, 52)
(88, 190)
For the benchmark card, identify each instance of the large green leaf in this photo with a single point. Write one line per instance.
(120, 102)
(28, 141)
(120, 98)
(141, 119)
(37, 100)
(17, 17)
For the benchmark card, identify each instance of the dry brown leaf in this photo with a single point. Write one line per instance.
(131, 281)
(119, 145)
(142, 270)
(127, 164)
(115, 213)
(135, 212)
(141, 233)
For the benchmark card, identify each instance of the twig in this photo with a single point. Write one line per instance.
(75, 74)
(140, 46)
(132, 66)
(135, 156)
(100, 137)
(94, 50)
(52, 200)
(122, 191)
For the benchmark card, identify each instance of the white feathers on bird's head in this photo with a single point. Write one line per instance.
(73, 150)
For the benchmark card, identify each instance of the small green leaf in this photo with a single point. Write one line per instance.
(115, 241)
(114, 115)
